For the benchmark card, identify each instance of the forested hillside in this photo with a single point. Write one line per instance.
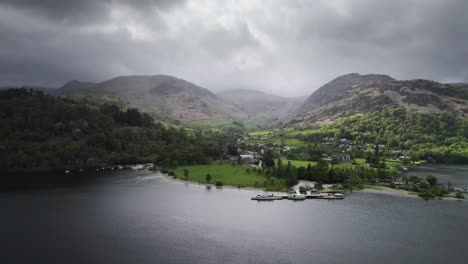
(40, 132)
(434, 137)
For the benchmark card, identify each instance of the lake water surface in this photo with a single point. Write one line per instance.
(456, 174)
(142, 217)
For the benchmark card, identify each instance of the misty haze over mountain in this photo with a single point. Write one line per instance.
(287, 48)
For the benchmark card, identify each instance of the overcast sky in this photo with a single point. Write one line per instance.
(283, 47)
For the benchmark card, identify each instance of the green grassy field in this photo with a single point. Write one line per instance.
(270, 136)
(295, 133)
(261, 133)
(292, 142)
(236, 176)
(390, 163)
(298, 163)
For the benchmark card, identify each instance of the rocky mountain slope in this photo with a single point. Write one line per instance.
(167, 97)
(413, 95)
(335, 87)
(262, 108)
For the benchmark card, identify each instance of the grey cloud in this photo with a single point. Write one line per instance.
(284, 47)
(84, 11)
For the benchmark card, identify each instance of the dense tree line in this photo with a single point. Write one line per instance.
(324, 172)
(436, 137)
(42, 132)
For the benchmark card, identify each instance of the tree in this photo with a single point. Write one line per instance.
(309, 172)
(268, 158)
(290, 174)
(415, 179)
(332, 176)
(301, 173)
(321, 171)
(352, 181)
(208, 178)
(431, 180)
(232, 150)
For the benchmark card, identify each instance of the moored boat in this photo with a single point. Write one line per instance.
(296, 196)
(266, 197)
(331, 196)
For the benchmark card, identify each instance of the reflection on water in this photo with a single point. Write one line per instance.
(456, 174)
(141, 217)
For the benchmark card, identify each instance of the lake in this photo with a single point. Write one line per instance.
(142, 217)
(456, 174)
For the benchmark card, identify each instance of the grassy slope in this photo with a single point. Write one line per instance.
(230, 175)
(272, 137)
(298, 163)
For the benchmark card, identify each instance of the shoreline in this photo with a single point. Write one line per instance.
(389, 191)
(380, 190)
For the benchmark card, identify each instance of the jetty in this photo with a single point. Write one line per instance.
(330, 195)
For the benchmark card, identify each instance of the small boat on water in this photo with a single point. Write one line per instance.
(138, 167)
(297, 197)
(331, 196)
(266, 197)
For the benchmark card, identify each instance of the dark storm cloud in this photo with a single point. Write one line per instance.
(287, 47)
(84, 11)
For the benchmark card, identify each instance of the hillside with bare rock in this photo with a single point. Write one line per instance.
(330, 90)
(166, 97)
(413, 95)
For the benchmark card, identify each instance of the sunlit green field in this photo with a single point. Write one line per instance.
(298, 163)
(238, 176)
(292, 142)
(261, 133)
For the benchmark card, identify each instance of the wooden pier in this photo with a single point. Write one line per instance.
(312, 196)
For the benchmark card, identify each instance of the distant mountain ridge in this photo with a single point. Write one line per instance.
(167, 97)
(262, 108)
(175, 100)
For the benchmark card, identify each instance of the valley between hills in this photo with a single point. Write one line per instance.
(355, 131)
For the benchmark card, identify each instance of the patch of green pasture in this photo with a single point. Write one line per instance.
(237, 176)
(295, 133)
(261, 133)
(298, 163)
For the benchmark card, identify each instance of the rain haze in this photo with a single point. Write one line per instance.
(283, 47)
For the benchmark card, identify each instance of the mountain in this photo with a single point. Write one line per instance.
(167, 97)
(262, 108)
(335, 87)
(71, 87)
(413, 95)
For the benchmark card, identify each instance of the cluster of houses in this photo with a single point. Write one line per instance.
(342, 157)
(343, 143)
(254, 157)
